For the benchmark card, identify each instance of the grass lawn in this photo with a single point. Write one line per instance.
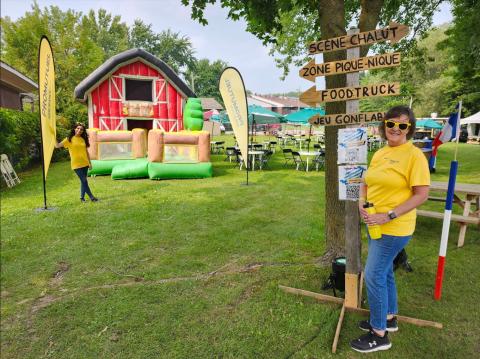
(191, 268)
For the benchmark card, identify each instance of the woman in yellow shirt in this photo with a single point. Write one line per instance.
(77, 143)
(397, 182)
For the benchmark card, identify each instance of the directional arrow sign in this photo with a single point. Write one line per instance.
(312, 96)
(346, 119)
(312, 70)
(393, 33)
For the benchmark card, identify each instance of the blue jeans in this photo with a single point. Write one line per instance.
(82, 174)
(379, 279)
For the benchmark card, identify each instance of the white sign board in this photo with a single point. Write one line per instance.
(349, 179)
(352, 145)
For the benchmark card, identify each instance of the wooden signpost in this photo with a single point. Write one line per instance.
(312, 70)
(352, 42)
(312, 96)
(393, 33)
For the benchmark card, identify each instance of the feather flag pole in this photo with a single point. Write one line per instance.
(452, 128)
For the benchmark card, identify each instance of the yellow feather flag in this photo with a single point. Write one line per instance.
(235, 100)
(46, 86)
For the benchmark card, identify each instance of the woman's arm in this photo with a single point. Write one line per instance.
(89, 161)
(58, 144)
(420, 195)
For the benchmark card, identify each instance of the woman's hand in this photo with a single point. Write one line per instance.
(377, 218)
(363, 211)
(89, 165)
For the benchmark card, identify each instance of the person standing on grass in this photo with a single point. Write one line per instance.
(397, 182)
(77, 143)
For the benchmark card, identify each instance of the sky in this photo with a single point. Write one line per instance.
(222, 39)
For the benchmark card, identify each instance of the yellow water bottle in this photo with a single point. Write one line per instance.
(374, 230)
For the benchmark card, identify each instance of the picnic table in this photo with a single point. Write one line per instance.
(308, 154)
(471, 194)
(253, 154)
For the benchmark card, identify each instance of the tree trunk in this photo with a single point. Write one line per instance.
(332, 24)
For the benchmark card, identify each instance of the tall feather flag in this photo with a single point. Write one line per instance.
(449, 132)
(46, 88)
(234, 97)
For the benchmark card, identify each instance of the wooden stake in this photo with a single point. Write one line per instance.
(306, 293)
(339, 327)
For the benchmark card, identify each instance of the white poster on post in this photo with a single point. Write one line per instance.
(349, 179)
(352, 145)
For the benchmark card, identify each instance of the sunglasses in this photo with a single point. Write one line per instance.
(401, 125)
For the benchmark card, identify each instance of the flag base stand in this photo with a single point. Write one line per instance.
(346, 307)
(47, 209)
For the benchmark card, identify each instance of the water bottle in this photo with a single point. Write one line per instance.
(374, 230)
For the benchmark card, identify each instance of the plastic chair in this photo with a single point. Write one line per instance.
(287, 156)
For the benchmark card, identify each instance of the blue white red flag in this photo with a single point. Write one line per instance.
(449, 132)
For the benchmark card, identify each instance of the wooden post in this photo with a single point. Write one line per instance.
(353, 245)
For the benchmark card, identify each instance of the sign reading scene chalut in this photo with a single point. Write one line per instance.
(393, 33)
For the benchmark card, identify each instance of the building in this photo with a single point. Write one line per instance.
(209, 103)
(15, 88)
(134, 89)
(280, 104)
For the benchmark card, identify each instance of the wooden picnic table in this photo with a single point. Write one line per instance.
(471, 194)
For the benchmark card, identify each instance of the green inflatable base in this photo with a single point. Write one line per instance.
(105, 167)
(134, 169)
(179, 170)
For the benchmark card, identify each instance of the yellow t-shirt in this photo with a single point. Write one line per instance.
(77, 149)
(390, 177)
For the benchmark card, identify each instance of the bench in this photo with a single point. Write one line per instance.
(462, 220)
(455, 217)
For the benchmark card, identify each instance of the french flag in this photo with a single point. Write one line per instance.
(449, 132)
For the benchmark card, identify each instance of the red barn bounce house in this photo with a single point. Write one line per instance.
(134, 89)
(133, 93)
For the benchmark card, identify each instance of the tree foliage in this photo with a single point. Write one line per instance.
(463, 46)
(82, 42)
(203, 78)
(288, 25)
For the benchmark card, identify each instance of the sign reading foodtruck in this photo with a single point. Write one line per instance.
(312, 96)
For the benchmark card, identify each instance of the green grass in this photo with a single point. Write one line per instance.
(190, 269)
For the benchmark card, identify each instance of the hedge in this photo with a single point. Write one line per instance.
(20, 137)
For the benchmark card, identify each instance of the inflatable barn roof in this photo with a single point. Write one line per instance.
(121, 59)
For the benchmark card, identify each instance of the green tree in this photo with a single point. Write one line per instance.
(425, 74)
(173, 48)
(281, 22)
(203, 78)
(463, 45)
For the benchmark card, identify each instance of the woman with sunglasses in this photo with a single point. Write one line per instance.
(77, 143)
(397, 182)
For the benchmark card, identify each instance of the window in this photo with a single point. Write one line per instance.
(138, 90)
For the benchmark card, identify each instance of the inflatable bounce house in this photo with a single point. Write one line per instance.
(143, 120)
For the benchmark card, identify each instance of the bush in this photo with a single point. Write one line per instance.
(20, 137)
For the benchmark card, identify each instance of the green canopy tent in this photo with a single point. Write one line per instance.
(427, 127)
(302, 116)
(429, 124)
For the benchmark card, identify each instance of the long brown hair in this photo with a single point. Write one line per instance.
(84, 134)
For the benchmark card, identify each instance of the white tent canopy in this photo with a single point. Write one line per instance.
(473, 124)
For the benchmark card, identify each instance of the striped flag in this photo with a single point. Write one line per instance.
(449, 132)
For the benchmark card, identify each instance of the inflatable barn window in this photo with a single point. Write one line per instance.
(134, 89)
